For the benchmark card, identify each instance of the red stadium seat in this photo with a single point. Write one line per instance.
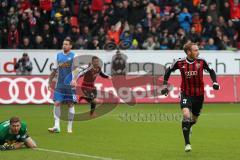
(74, 21)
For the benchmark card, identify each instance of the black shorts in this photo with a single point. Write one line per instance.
(193, 103)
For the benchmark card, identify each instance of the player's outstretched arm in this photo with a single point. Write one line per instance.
(79, 72)
(165, 82)
(18, 145)
(103, 75)
(213, 76)
(167, 74)
(29, 142)
(7, 146)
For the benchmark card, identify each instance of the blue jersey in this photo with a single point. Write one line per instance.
(64, 65)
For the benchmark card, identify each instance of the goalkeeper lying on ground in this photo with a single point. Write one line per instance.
(13, 135)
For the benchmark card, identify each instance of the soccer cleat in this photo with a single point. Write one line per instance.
(188, 148)
(216, 86)
(69, 129)
(54, 130)
(93, 115)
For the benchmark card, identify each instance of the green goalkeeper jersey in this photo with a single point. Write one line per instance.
(7, 137)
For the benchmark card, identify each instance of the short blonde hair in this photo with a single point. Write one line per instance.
(188, 46)
(14, 120)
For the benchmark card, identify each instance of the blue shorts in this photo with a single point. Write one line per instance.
(64, 95)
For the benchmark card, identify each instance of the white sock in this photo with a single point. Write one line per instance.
(57, 114)
(71, 112)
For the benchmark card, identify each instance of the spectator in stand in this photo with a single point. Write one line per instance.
(96, 23)
(64, 9)
(181, 38)
(225, 11)
(38, 42)
(202, 44)
(185, 19)
(59, 19)
(151, 44)
(94, 44)
(230, 29)
(74, 34)
(114, 33)
(26, 44)
(218, 38)
(147, 22)
(210, 45)
(134, 45)
(120, 12)
(212, 11)
(24, 27)
(24, 65)
(84, 13)
(208, 28)
(139, 35)
(13, 37)
(193, 35)
(12, 17)
(87, 36)
(126, 36)
(47, 36)
(234, 9)
(137, 11)
(4, 38)
(101, 37)
(55, 43)
(60, 34)
(164, 45)
(197, 23)
(221, 23)
(80, 44)
(3, 13)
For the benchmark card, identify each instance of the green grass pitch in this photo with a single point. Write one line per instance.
(113, 136)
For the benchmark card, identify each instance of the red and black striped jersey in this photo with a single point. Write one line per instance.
(192, 75)
(90, 74)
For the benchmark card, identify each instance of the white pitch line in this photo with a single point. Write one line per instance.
(74, 154)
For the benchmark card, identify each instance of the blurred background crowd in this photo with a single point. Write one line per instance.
(143, 24)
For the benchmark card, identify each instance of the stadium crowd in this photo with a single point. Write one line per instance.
(144, 24)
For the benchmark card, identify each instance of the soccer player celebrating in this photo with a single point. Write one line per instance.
(13, 135)
(63, 93)
(88, 89)
(192, 87)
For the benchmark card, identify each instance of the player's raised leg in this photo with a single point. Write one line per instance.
(93, 107)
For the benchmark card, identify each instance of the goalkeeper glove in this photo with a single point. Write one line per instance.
(7, 146)
(2, 147)
(216, 86)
